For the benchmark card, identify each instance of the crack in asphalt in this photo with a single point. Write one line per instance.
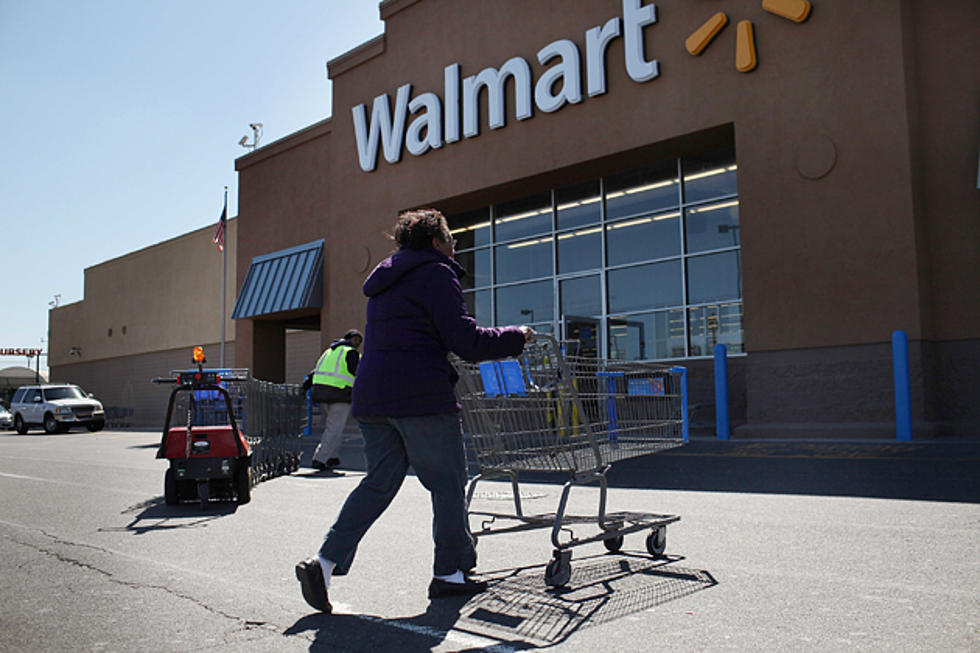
(244, 624)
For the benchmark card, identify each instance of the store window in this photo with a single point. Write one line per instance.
(642, 191)
(526, 217)
(644, 238)
(643, 336)
(527, 303)
(523, 260)
(579, 205)
(644, 265)
(580, 250)
(642, 287)
(476, 262)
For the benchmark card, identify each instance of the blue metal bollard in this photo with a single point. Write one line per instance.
(308, 429)
(722, 428)
(683, 372)
(903, 395)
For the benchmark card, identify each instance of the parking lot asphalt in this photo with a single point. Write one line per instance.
(796, 546)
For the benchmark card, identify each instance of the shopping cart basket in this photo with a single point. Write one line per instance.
(545, 411)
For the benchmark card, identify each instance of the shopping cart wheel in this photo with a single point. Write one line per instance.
(614, 543)
(559, 570)
(657, 541)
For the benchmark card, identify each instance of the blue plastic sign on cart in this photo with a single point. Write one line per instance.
(502, 378)
(645, 386)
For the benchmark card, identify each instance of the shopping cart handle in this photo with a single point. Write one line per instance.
(537, 336)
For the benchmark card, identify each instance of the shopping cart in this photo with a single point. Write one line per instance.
(545, 411)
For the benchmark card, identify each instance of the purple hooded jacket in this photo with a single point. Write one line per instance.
(415, 315)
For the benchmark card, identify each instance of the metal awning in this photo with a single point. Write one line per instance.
(282, 281)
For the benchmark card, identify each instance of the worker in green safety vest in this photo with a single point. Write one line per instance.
(333, 378)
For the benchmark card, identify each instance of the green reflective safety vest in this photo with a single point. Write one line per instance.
(332, 370)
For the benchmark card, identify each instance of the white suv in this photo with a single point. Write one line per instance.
(56, 407)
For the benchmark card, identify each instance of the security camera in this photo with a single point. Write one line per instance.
(255, 125)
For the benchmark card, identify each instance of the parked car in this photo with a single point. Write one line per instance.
(56, 407)
(6, 418)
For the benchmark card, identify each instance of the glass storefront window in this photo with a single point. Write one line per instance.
(714, 277)
(479, 306)
(580, 250)
(527, 217)
(587, 336)
(476, 262)
(715, 324)
(579, 205)
(712, 226)
(710, 175)
(647, 336)
(642, 239)
(642, 191)
(527, 303)
(470, 229)
(527, 259)
(581, 296)
(580, 308)
(641, 287)
(644, 265)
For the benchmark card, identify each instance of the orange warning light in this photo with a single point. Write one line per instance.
(199, 354)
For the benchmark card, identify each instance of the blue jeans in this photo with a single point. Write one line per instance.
(433, 446)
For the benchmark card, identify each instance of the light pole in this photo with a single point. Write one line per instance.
(528, 311)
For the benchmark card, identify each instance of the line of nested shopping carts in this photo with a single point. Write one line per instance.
(271, 416)
(549, 410)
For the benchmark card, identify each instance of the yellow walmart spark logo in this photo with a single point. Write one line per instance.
(745, 57)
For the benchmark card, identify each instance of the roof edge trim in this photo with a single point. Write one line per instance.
(354, 58)
(389, 8)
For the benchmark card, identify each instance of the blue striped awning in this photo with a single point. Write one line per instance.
(282, 281)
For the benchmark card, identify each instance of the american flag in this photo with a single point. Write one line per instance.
(219, 231)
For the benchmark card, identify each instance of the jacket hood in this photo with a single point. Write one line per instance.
(391, 270)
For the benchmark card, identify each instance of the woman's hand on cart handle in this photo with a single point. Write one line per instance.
(528, 333)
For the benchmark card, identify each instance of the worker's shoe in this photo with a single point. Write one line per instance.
(317, 465)
(333, 462)
(441, 588)
(310, 578)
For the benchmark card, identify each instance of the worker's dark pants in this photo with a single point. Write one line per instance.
(433, 446)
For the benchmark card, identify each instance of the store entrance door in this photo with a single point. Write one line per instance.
(585, 330)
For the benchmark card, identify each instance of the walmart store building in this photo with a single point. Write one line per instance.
(794, 180)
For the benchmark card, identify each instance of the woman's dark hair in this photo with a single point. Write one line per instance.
(417, 228)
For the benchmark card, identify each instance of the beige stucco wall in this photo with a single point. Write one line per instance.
(164, 297)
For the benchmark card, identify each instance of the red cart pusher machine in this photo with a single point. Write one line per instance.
(205, 460)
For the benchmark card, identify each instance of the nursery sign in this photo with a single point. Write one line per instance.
(20, 352)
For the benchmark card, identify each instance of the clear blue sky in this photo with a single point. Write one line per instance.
(120, 122)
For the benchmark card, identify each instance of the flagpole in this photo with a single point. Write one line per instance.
(224, 279)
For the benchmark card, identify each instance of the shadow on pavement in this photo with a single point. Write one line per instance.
(933, 470)
(155, 515)
(357, 632)
(518, 610)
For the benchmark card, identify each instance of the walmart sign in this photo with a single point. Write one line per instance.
(437, 121)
